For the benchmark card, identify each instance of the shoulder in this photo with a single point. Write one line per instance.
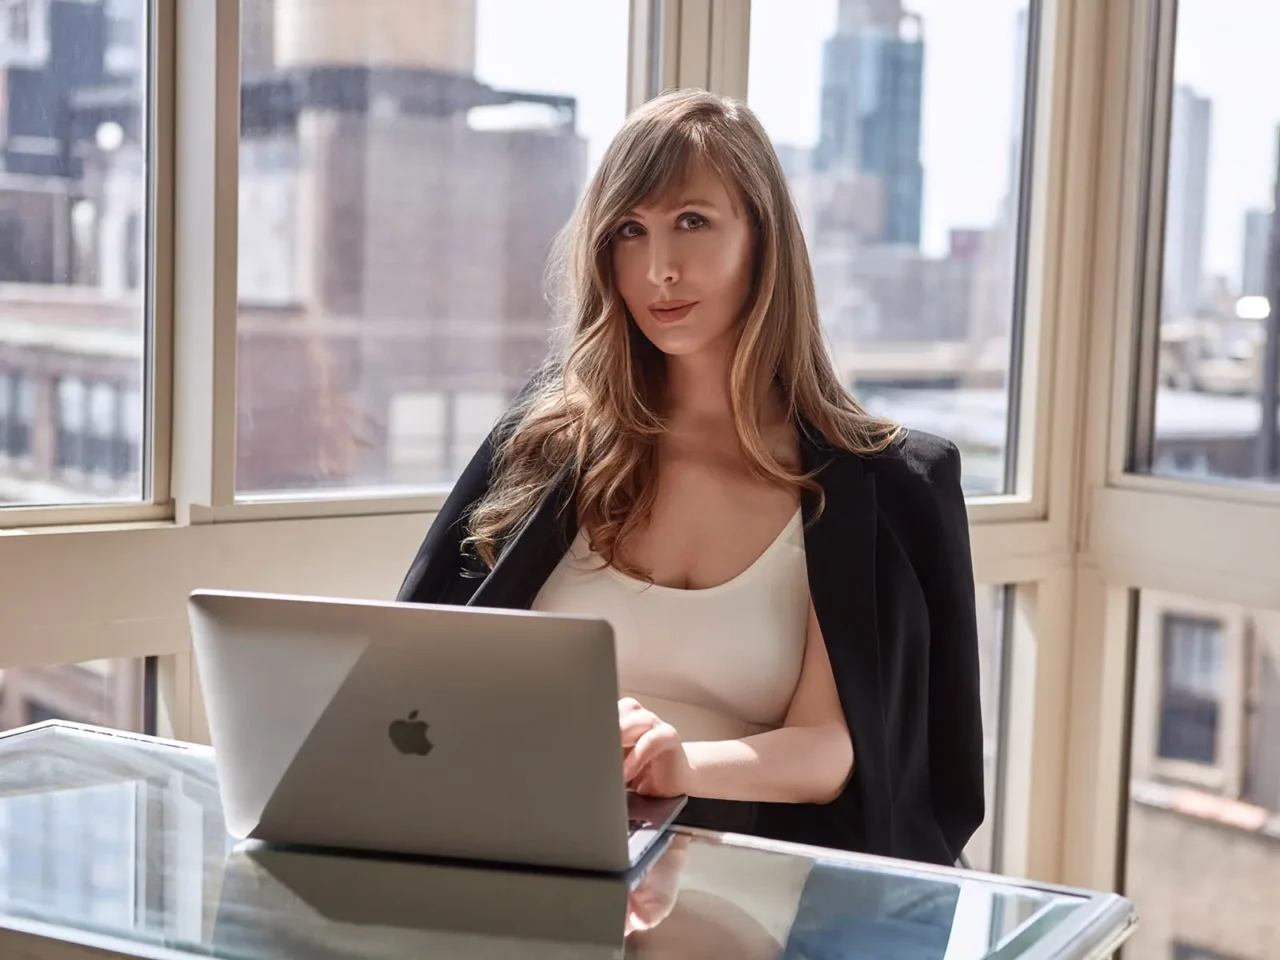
(918, 490)
(917, 462)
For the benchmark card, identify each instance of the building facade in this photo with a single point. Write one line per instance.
(394, 232)
(1204, 813)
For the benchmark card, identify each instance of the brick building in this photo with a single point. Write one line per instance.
(396, 216)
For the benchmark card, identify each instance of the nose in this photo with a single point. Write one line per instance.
(664, 270)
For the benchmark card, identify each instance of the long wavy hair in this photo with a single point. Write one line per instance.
(597, 406)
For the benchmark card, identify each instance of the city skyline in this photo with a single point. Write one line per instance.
(962, 187)
(1225, 54)
(519, 47)
(1229, 63)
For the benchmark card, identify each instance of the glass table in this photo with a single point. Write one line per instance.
(113, 845)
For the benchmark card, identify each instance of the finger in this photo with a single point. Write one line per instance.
(653, 743)
(636, 725)
(643, 784)
(636, 759)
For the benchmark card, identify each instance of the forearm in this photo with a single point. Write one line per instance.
(795, 764)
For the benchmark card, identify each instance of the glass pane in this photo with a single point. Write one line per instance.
(403, 169)
(904, 154)
(992, 607)
(1203, 855)
(1218, 372)
(73, 202)
(105, 693)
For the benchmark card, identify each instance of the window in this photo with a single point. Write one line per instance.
(108, 693)
(1190, 692)
(103, 427)
(7, 383)
(1216, 337)
(73, 151)
(22, 414)
(1191, 688)
(14, 417)
(19, 15)
(94, 421)
(904, 152)
(1199, 849)
(71, 423)
(402, 173)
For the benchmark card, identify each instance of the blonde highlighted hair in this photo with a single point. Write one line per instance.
(597, 406)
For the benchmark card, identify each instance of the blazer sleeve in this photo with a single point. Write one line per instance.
(956, 767)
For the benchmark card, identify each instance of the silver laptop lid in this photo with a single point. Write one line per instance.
(416, 729)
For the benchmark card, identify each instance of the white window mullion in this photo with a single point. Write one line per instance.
(729, 41)
(693, 46)
(206, 183)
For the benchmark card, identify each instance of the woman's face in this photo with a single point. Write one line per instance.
(683, 266)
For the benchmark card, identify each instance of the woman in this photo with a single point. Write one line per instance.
(788, 577)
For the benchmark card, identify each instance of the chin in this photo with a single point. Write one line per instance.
(676, 342)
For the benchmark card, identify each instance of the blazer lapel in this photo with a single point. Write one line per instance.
(530, 555)
(840, 556)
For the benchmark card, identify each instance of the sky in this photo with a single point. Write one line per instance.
(1226, 51)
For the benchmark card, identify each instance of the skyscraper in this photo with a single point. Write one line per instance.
(872, 73)
(1185, 209)
(1257, 250)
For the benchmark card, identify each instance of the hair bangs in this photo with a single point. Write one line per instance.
(665, 156)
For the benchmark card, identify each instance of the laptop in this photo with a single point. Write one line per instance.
(455, 732)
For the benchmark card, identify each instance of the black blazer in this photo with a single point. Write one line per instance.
(891, 580)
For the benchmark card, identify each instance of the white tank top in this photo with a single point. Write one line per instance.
(717, 664)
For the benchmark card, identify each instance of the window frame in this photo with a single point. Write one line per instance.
(1136, 354)
(1140, 536)
(1225, 775)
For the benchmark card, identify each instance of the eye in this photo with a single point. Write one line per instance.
(628, 230)
(692, 221)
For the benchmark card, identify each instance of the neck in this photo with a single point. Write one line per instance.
(697, 387)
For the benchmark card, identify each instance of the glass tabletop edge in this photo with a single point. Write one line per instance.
(1092, 933)
(111, 733)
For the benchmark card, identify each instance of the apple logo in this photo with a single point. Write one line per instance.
(410, 736)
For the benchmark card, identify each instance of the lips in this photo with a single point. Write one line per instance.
(670, 311)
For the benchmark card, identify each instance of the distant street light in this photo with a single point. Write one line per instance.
(1253, 308)
(109, 136)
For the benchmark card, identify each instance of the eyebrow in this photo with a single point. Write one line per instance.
(681, 204)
